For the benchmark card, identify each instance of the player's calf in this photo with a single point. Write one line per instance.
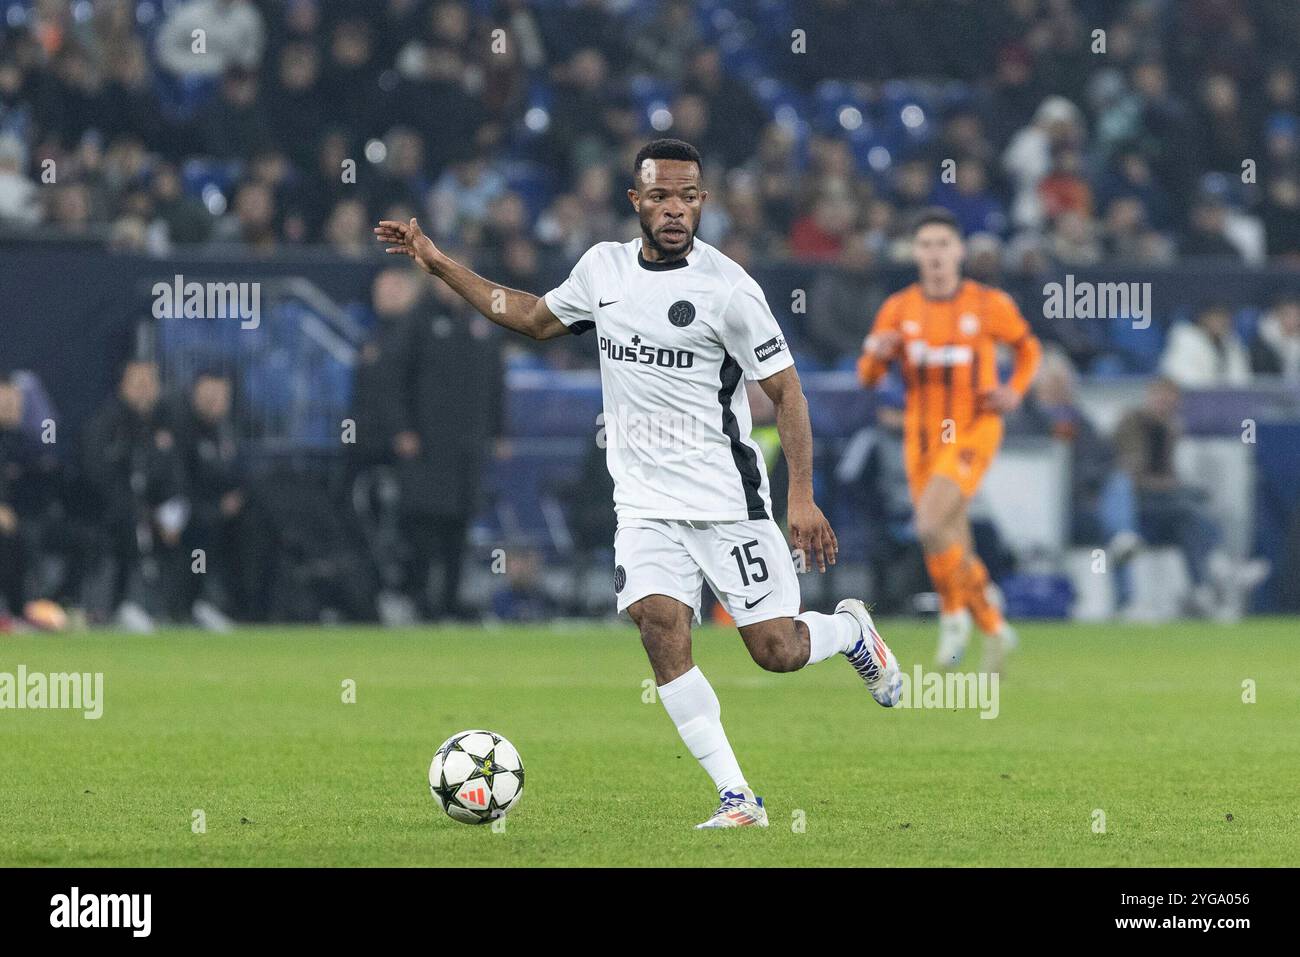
(665, 627)
(778, 644)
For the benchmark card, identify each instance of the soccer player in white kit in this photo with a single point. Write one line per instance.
(678, 326)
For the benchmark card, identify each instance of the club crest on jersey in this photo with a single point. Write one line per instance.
(620, 578)
(770, 348)
(969, 324)
(681, 313)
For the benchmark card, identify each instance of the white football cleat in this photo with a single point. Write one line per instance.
(954, 634)
(871, 657)
(997, 647)
(740, 808)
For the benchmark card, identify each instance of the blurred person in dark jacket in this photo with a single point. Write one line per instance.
(1174, 513)
(18, 457)
(874, 478)
(430, 384)
(841, 303)
(1276, 349)
(214, 488)
(132, 461)
(35, 523)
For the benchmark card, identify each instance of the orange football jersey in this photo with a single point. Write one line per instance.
(949, 357)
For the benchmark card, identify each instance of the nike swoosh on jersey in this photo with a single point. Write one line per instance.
(603, 304)
(751, 604)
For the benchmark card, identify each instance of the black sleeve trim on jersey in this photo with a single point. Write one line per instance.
(581, 326)
(746, 459)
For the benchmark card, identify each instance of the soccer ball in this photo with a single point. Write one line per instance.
(476, 777)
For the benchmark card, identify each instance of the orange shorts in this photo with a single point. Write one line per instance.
(964, 460)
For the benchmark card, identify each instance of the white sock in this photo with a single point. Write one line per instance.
(694, 708)
(829, 634)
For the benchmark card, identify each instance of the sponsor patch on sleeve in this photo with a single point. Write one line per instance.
(770, 348)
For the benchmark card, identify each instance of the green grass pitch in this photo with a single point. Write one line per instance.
(1146, 725)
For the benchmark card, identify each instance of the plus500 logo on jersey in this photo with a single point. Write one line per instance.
(646, 354)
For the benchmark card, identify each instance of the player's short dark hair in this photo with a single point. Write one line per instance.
(665, 149)
(935, 215)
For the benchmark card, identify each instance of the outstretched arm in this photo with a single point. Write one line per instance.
(515, 310)
(809, 529)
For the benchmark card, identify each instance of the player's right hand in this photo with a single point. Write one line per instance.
(883, 346)
(408, 239)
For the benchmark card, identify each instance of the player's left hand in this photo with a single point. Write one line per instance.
(1001, 400)
(811, 533)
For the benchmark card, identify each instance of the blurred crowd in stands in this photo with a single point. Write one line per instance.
(507, 125)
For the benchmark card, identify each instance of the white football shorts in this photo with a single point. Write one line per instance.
(748, 565)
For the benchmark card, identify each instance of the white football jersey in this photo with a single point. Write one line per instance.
(675, 340)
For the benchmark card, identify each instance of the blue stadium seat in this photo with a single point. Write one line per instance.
(1140, 348)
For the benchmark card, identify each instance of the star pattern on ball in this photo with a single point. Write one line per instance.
(485, 769)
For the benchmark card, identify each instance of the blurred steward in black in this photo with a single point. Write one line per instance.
(429, 397)
(132, 461)
(215, 489)
(34, 516)
(19, 460)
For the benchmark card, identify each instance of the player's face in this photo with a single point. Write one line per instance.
(938, 252)
(668, 201)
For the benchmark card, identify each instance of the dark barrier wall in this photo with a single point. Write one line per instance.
(68, 313)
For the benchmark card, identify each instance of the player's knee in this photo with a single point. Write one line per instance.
(933, 531)
(930, 532)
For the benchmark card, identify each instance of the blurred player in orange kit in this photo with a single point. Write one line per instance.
(943, 331)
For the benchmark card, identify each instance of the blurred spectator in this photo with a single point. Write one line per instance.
(252, 221)
(1169, 513)
(234, 125)
(983, 258)
(1172, 513)
(522, 598)
(17, 452)
(44, 543)
(19, 200)
(1206, 353)
(183, 218)
(972, 201)
(461, 197)
(1058, 124)
(1276, 349)
(1208, 231)
(217, 498)
(348, 230)
(1281, 215)
(431, 384)
(1064, 189)
(665, 47)
(1076, 240)
(132, 461)
(822, 234)
(204, 38)
(841, 304)
(874, 475)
